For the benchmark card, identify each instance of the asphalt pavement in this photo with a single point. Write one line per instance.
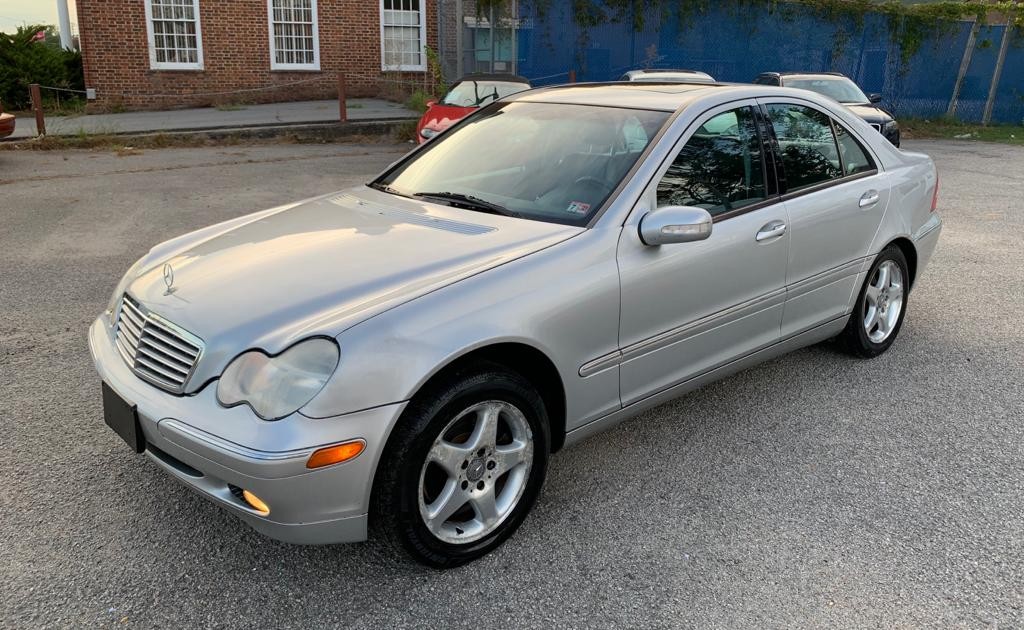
(813, 491)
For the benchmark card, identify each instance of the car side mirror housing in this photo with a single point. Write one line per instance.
(675, 224)
(431, 103)
(875, 98)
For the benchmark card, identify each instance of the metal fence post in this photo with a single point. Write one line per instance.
(342, 105)
(37, 107)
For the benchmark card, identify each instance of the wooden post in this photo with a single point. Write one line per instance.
(342, 106)
(37, 107)
(572, 76)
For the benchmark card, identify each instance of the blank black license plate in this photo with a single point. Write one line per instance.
(121, 416)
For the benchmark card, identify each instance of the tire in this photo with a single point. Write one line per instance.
(874, 325)
(440, 449)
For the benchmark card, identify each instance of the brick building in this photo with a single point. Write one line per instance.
(153, 54)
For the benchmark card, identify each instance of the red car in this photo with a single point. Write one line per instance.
(469, 94)
(6, 125)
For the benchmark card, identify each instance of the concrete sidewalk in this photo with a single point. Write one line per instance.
(206, 118)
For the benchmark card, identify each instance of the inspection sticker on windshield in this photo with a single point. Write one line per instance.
(578, 207)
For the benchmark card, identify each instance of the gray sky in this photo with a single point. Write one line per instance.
(14, 13)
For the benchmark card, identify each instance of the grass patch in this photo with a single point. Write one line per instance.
(229, 107)
(956, 130)
(417, 101)
(405, 131)
(125, 146)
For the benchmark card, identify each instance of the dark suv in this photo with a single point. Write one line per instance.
(840, 88)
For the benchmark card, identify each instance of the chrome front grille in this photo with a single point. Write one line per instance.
(154, 348)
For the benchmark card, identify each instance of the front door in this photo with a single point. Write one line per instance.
(690, 307)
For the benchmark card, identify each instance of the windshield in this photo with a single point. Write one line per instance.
(545, 161)
(842, 90)
(480, 93)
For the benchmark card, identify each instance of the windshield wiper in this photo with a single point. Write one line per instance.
(383, 188)
(469, 202)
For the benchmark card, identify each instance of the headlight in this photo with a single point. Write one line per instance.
(126, 279)
(278, 386)
(892, 124)
(428, 133)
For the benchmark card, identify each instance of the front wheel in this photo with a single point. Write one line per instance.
(881, 305)
(463, 467)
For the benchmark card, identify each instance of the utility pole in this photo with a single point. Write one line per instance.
(64, 19)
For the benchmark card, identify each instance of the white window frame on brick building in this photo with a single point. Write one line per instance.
(288, 38)
(396, 28)
(174, 27)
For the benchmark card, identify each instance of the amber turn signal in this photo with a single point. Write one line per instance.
(335, 454)
(256, 503)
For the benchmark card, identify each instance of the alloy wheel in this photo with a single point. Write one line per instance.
(883, 301)
(476, 472)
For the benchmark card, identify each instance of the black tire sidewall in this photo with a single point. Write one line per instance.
(422, 422)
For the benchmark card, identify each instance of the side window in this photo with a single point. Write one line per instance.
(809, 152)
(720, 168)
(855, 158)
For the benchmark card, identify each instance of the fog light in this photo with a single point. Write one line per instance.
(335, 454)
(256, 503)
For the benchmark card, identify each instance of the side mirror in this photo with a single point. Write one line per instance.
(431, 103)
(675, 224)
(875, 98)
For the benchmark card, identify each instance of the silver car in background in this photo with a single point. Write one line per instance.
(407, 354)
(668, 75)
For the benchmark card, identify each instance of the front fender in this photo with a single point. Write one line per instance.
(563, 301)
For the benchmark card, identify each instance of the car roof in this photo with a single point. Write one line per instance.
(667, 97)
(665, 71)
(510, 78)
(809, 75)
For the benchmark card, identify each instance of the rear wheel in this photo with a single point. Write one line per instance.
(880, 308)
(463, 467)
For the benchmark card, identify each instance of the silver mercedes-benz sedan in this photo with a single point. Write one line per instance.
(404, 356)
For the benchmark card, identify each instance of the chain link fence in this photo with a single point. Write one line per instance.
(736, 44)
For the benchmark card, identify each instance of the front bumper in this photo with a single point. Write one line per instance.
(210, 448)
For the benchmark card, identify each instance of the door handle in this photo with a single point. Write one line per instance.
(869, 199)
(771, 230)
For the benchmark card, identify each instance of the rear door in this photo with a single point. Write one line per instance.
(835, 195)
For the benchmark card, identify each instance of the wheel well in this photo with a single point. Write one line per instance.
(910, 253)
(531, 364)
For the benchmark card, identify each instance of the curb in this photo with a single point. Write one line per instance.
(323, 131)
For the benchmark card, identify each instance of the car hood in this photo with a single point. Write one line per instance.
(870, 113)
(321, 266)
(440, 117)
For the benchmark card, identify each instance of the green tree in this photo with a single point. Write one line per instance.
(25, 60)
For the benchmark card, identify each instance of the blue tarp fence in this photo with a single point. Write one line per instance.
(736, 45)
